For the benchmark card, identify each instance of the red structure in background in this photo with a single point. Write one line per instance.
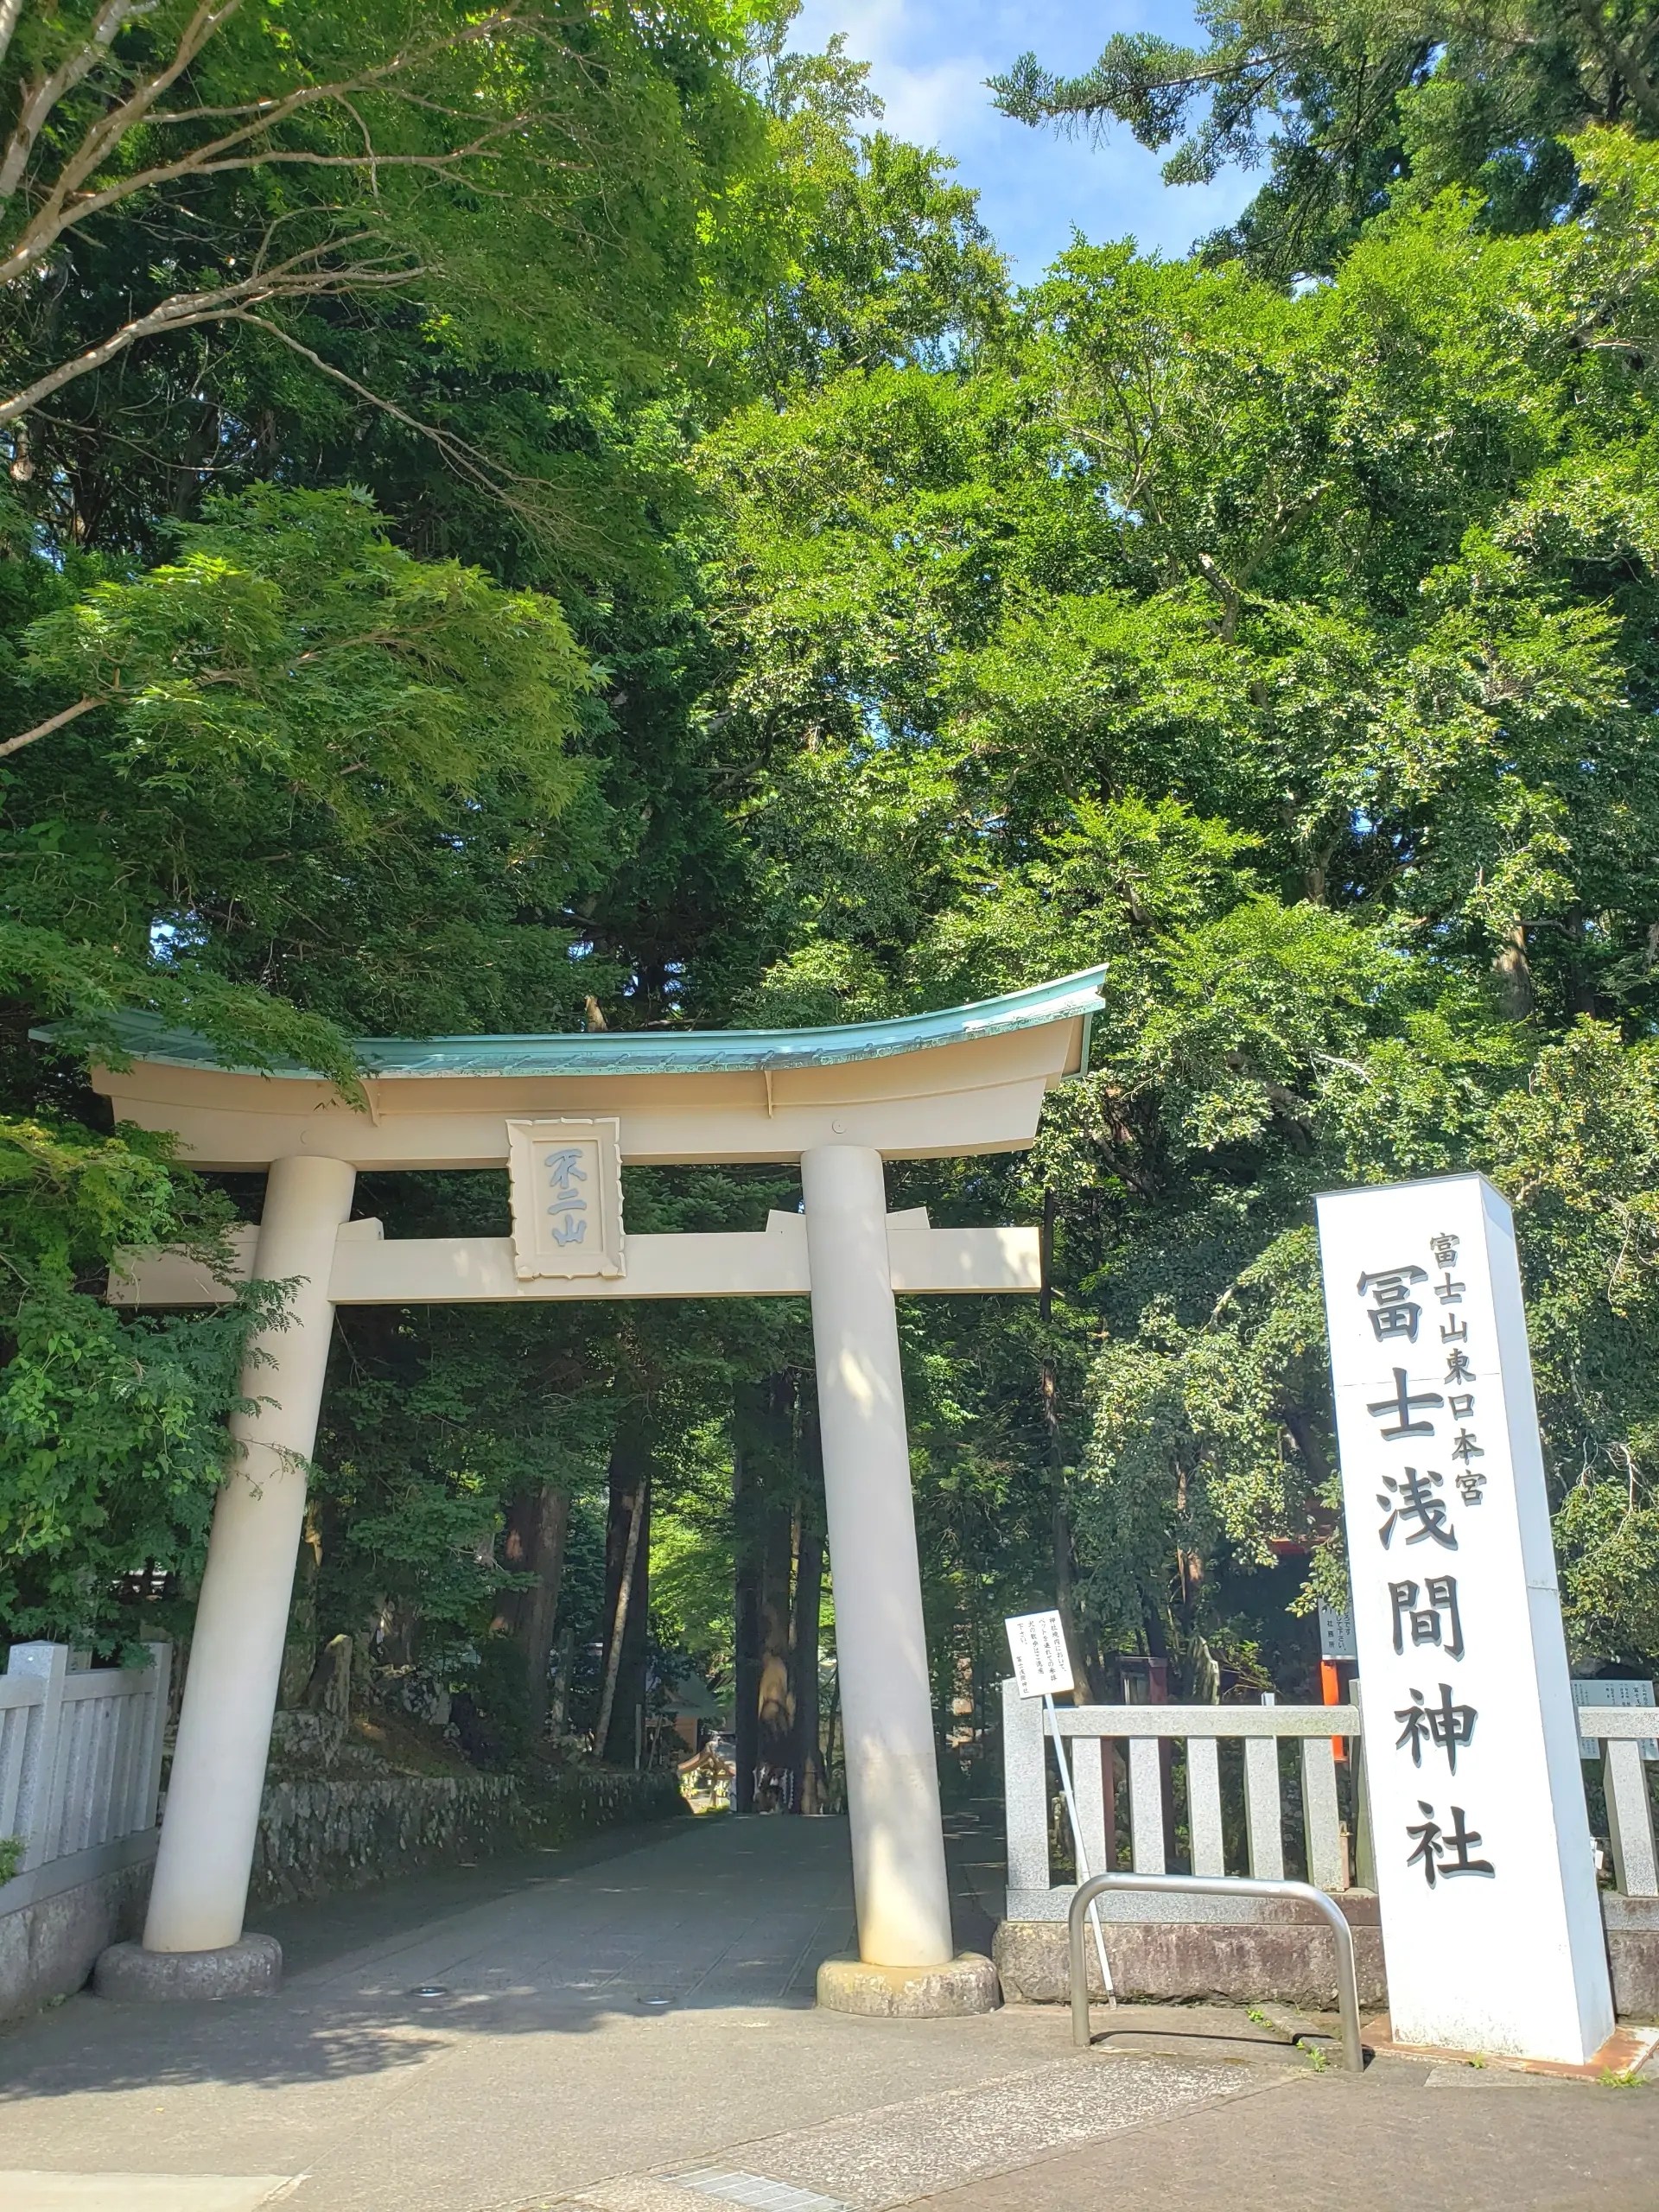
(1336, 1677)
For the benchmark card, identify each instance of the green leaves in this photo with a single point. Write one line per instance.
(297, 690)
(1578, 1151)
(113, 1448)
(1295, 656)
(1292, 650)
(536, 176)
(286, 718)
(1360, 109)
(68, 1198)
(1608, 1546)
(1199, 1442)
(113, 1439)
(1237, 1020)
(292, 642)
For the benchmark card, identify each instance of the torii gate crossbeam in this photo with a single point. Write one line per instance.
(564, 1113)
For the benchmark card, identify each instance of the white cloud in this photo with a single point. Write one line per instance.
(929, 62)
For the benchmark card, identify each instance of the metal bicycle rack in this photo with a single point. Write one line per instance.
(1209, 1886)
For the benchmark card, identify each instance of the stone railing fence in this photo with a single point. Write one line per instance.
(1152, 1736)
(1217, 1771)
(80, 1764)
(1196, 1733)
(1625, 1734)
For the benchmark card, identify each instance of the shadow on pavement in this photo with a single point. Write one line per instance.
(707, 1916)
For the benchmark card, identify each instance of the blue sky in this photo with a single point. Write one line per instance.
(929, 59)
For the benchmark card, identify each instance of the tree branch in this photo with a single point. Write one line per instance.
(40, 97)
(292, 279)
(1225, 590)
(54, 722)
(10, 11)
(394, 640)
(63, 205)
(106, 133)
(1642, 89)
(467, 460)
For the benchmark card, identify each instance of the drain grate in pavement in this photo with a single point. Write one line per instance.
(755, 2190)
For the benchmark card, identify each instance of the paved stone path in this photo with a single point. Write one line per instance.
(630, 2029)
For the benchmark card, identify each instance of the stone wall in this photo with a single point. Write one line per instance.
(322, 1832)
(583, 1799)
(318, 1833)
(1633, 1953)
(64, 1916)
(328, 1832)
(1235, 1953)
(1262, 1951)
(340, 1811)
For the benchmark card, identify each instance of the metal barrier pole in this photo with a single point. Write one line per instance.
(1217, 1886)
(1064, 1766)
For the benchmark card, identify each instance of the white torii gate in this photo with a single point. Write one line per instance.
(564, 1113)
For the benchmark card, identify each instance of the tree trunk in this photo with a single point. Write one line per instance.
(300, 1649)
(830, 1794)
(1062, 1543)
(1515, 994)
(1581, 977)
(745, 1601)
(559, 1717)
(628, 1595)
(809, 1596)
(537, 1522)
(764, 1441)
(810, 1784)
(776, 1736)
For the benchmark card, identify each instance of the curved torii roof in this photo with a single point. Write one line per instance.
(969, 1079)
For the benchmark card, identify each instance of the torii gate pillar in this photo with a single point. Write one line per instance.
(564, 1114)
(199, 1892)
(893, 1781)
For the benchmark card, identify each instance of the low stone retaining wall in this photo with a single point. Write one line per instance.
(328, 1832)
(340, 1832)
(56, 1920)
(1218, 1951)
(317, 1834)
(1243, 1951)
(583, 1799)
(1633, 1953)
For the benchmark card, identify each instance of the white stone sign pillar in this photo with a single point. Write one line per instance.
(1485, 1872)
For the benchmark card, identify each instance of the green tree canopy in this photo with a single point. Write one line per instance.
(1256, 646)
(1363, 106)
(758, 612)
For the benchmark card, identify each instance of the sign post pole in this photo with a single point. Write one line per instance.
(1485, 1869)
(1041, 1666)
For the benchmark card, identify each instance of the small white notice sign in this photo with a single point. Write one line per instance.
(1485, 1869)
(1041, 1666)
(1336, 1633)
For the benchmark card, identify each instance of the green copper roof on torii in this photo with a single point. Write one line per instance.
(650, 1052)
